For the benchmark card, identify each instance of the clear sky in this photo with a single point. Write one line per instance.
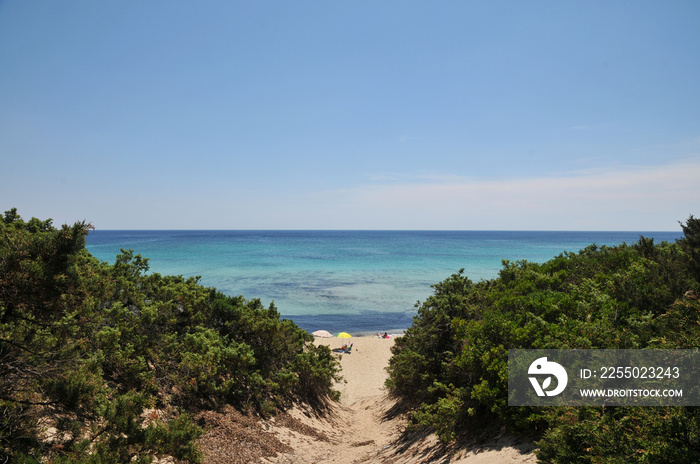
(351, 115)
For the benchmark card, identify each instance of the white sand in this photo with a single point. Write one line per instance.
(364, 369)
(361, 429)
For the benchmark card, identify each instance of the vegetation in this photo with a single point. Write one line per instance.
(105, 363)
(451, 367)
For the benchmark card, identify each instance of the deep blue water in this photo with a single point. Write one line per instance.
(356, 281)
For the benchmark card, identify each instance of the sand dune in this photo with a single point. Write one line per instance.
(366, 428)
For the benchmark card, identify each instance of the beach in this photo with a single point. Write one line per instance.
(366, 426)
(364, 368)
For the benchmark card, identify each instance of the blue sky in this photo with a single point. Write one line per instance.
(542, 115)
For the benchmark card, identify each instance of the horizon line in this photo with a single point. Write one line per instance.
(384, 230)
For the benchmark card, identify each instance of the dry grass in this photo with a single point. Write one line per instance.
(232, 438)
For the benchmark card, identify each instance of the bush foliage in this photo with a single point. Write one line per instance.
(451, 366)
(105, 363)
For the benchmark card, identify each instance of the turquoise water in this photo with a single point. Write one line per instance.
(356, 281)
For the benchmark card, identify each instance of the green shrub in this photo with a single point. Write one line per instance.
(87, 348)
(451, 365)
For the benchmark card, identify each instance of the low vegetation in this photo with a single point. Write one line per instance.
(451, 367)
(105, 363)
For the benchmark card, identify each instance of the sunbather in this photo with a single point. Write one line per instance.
(345, 349)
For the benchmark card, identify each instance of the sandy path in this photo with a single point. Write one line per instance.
(363, 428)
(364, 369)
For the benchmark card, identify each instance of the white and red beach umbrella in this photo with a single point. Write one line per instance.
(322, 334)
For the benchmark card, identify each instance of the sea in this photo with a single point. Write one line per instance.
(361, 282)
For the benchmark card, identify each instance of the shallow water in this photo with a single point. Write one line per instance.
(356, 281)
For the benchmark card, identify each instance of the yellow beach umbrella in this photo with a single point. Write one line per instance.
(344, 335)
